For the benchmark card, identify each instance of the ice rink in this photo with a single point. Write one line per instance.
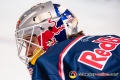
(96, 17)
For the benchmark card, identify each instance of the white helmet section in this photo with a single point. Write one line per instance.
(71, 22)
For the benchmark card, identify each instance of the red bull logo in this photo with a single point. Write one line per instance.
(47, 38)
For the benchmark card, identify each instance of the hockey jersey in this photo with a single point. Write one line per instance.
(81, 58)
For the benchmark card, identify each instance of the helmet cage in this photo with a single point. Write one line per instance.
(21, 42)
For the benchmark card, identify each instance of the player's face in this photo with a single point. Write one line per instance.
(31, 47)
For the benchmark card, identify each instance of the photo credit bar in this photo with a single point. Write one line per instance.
(97, 74)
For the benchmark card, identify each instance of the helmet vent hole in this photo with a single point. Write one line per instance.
(67, 24)
(34, 18)
(41, 7)
(50, 28)
(41, 28)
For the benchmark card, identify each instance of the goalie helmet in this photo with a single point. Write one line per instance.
(50, 23)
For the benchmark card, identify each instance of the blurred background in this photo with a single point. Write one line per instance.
(96, 17)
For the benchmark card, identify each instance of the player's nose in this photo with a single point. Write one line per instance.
(29, 53)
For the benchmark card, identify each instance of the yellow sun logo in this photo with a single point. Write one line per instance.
(72, 74)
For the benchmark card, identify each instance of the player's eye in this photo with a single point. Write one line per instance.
(33, 41)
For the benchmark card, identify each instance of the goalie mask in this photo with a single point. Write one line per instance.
(42, 26)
